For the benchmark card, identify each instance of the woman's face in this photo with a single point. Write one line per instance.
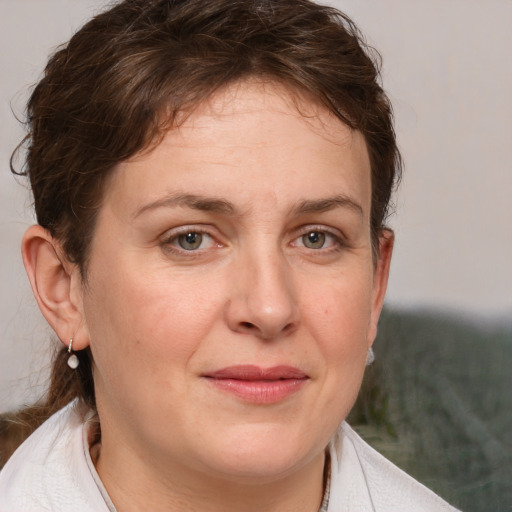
(231, 294)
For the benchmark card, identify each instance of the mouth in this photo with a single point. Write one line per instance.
(258, 385)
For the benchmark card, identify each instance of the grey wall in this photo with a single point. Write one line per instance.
(447, 69)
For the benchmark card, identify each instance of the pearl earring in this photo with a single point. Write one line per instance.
(72, 360)
(370, 357)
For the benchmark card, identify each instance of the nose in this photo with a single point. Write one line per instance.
(262, 300)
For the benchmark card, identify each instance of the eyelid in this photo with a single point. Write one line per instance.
(186, 228)
(322, 228)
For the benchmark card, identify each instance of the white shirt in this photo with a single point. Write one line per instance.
(52, 471)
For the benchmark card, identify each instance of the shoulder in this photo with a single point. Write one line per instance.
(363, 480)
(49, 470)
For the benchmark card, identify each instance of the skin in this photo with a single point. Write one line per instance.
(249, 172)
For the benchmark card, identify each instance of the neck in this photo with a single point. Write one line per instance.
(177, 489)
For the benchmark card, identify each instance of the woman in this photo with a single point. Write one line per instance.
(211, 181)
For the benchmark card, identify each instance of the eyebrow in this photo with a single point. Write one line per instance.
(330, 203)
(193, 201)
(215, 205)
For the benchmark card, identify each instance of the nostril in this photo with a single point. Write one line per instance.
(247, 325)
(288, 327)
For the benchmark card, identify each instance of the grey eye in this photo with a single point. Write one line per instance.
(190, 241)
(314, 240)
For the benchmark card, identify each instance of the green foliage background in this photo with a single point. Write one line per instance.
(438, 403)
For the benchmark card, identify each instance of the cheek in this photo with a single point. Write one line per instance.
(152, 322)
(338, 319)
(339, 315)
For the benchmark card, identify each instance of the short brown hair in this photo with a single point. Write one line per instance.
(127, 75)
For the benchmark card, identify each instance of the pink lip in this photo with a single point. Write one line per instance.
(258, 385)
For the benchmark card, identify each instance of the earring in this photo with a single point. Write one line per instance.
(72, 360)
(370, 357)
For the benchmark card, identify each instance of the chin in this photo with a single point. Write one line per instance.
(263, 454)
(261, 470)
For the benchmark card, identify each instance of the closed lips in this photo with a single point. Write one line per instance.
(255, 373)
(259, 386)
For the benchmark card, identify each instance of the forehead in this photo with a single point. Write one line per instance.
(253, 104)
(252, 136)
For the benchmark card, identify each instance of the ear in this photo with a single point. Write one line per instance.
(380, 280)
(56, 284)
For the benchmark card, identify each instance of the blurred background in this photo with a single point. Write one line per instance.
(446, 333)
